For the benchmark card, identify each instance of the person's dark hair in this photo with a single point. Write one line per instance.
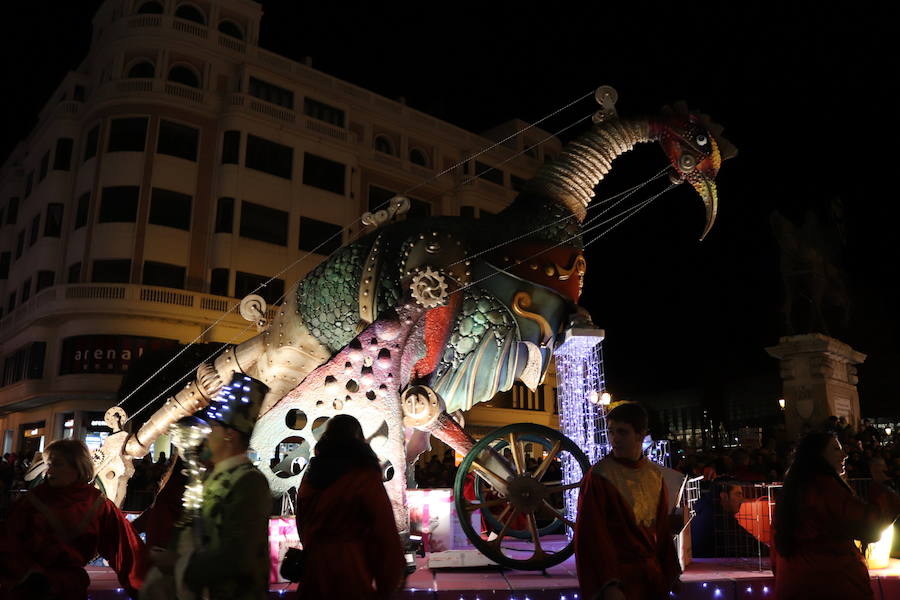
(632, 413)
(341, 449)
(808, 463)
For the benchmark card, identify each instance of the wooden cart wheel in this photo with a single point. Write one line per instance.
(514, 507)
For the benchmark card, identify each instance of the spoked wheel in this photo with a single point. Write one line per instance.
(522, 506)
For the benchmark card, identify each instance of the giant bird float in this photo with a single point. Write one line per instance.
(415, 322)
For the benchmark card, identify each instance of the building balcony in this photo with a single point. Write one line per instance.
(62, 302)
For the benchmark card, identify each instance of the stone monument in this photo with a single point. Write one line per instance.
(819, 379)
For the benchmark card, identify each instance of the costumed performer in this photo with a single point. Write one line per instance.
(623, 545)
(55, 529)
(225, 549)
(344, 517)
(817, 519)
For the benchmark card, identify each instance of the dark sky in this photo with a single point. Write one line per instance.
(807, 90)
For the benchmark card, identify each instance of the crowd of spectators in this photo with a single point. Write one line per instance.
(867, 447)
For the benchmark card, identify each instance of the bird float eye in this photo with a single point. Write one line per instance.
(701, 139)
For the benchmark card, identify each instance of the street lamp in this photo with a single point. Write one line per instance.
(781, 403)
(606, 399)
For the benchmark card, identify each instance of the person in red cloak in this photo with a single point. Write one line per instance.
(817, 519)
(58, 527)
(159, 520)
(623, 547)
(350, 541)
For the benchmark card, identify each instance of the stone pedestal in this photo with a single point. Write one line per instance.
(818, 380)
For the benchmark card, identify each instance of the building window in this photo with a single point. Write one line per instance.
(488, 173)
(218, 282)
(73, 274)
(419, 208)
(53, 223)
(163, 275)
(231, 148)
(184, 76)
(269, 157)
(150, 8)
(141, 70)
(246, 283)
(189, 12)
(468, 212)
(116, 270)
(417, 156)
(178, 140)
(90, 143)
(5, 259)
(26, 363)
(45, 165)
(271, 93)
(12, 210)
(29, 183)
(224, 216)
(62, 160)
(35, 229)
(319, 237)
(231, 29)
(118, 204)
(20, 244)
(11, 304)
(44, 280)
(263, 223)
(517, 183)
(170, 209)
(323, 112)
(26, 290)
(323, 173)
(384, 145)
(81, 210)
(78, 93)
(379, 198)
(127, 135)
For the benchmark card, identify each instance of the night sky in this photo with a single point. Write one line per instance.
(807, 91)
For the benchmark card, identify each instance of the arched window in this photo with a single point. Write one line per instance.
(417, 156)
(184, 75)
(150, 8)
(142, 70)
(189, 12)
(232, 29)
(384, 144)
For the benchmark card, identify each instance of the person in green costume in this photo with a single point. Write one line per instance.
(224, 551)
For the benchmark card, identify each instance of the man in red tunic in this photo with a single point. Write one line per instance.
(623, 547)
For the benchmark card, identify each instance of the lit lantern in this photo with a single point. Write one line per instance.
(878, 554)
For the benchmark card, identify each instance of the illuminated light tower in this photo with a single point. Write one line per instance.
(582, 400)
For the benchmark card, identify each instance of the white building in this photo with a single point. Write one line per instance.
(177, 168)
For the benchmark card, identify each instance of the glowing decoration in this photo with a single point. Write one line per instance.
(188, 435)
(878, 555)
(658, 452)
(605, 398)
(580, 379)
